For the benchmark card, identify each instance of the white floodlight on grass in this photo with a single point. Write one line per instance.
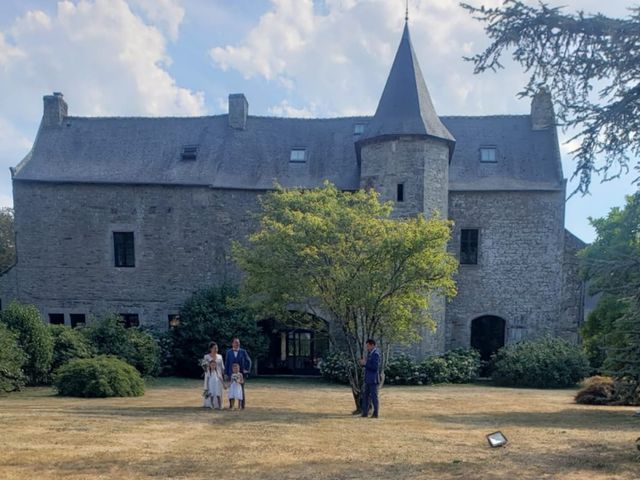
(496, 439)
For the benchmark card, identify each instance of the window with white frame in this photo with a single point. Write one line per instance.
(488, 154)
(298, 155)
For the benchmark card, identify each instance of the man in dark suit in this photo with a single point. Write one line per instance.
(241, 357)
(371, 379)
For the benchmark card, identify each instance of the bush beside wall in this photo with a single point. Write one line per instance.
(34, 338)
(12, 359)
(544, 363)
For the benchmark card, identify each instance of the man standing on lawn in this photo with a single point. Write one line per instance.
(241, 357)
(371, 379)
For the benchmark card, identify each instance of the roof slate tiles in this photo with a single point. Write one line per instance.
(148, 151)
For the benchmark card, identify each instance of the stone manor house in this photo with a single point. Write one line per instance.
(132, 215)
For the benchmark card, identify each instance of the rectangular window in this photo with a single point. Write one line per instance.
(123, 249)
(174, 320)
(78, 319)
(358, 129)
(469, 246)
(56, 318)
(189, 152)
(400, 193)
(298, 155)
(488, 154)
(130, 320)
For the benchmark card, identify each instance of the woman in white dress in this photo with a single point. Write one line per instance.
(213, 355)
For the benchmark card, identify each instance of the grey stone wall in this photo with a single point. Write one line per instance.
(422, 166)
(519, 275)
(573, 290)
(182, 243)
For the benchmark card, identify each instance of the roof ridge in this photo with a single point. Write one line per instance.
(499, 115)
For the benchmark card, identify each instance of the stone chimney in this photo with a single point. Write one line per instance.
(238, 111)
(542, 114)
(55, 109)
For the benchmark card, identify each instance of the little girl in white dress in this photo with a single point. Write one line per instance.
(213, 386)
(235, 387)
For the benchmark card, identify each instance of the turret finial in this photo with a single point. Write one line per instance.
(406, 12)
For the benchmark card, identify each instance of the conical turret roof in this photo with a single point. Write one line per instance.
(405, 107)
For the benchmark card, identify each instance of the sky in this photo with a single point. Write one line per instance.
(297, 58)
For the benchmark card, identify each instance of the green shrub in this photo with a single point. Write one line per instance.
(207, 316)
(167, 363)
(463, 365)
(455, 366)
(145, 352)
(12, 358)
(108, 336)
(137, 347)
(34, 338)
(102, 376)
(544, 363)
(335, 367)
(68, 343)
(401, 370)
(434, 369)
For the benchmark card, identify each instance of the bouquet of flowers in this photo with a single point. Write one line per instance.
(204, 364)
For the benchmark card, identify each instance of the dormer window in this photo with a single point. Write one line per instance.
(298, 155)
(189, 152)
(488, 154)
(358, 128)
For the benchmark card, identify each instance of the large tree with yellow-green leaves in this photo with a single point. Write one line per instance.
(340, 256)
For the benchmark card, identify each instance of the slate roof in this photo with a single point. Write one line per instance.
(405, 107)
(148, 151)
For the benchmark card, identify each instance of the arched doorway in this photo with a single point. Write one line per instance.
(294, 350)
(487, 335)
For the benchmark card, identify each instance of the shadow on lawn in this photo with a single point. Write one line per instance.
(600, 419)
(205, 415)
(497, 465)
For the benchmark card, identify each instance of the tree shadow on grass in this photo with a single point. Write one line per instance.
(600, 419)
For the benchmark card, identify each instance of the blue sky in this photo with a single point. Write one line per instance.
(318, 58)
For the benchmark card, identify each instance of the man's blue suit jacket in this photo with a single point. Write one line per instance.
(372, 367)
(242, 359)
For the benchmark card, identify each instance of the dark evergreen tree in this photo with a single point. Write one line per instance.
(591, 66)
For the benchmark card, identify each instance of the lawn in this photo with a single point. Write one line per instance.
(304, 430)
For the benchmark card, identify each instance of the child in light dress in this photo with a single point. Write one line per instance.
(213, 386)
(235, 386)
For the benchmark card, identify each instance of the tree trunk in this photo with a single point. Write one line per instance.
(357, 398)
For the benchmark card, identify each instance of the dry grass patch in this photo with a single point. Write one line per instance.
(303, 430)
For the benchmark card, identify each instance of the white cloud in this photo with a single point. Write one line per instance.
(14, 145)
(168, 14)
(105, 59)
(279, 34)
(284, 109)
(8, 53)
(331, 57)
(338, 56)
